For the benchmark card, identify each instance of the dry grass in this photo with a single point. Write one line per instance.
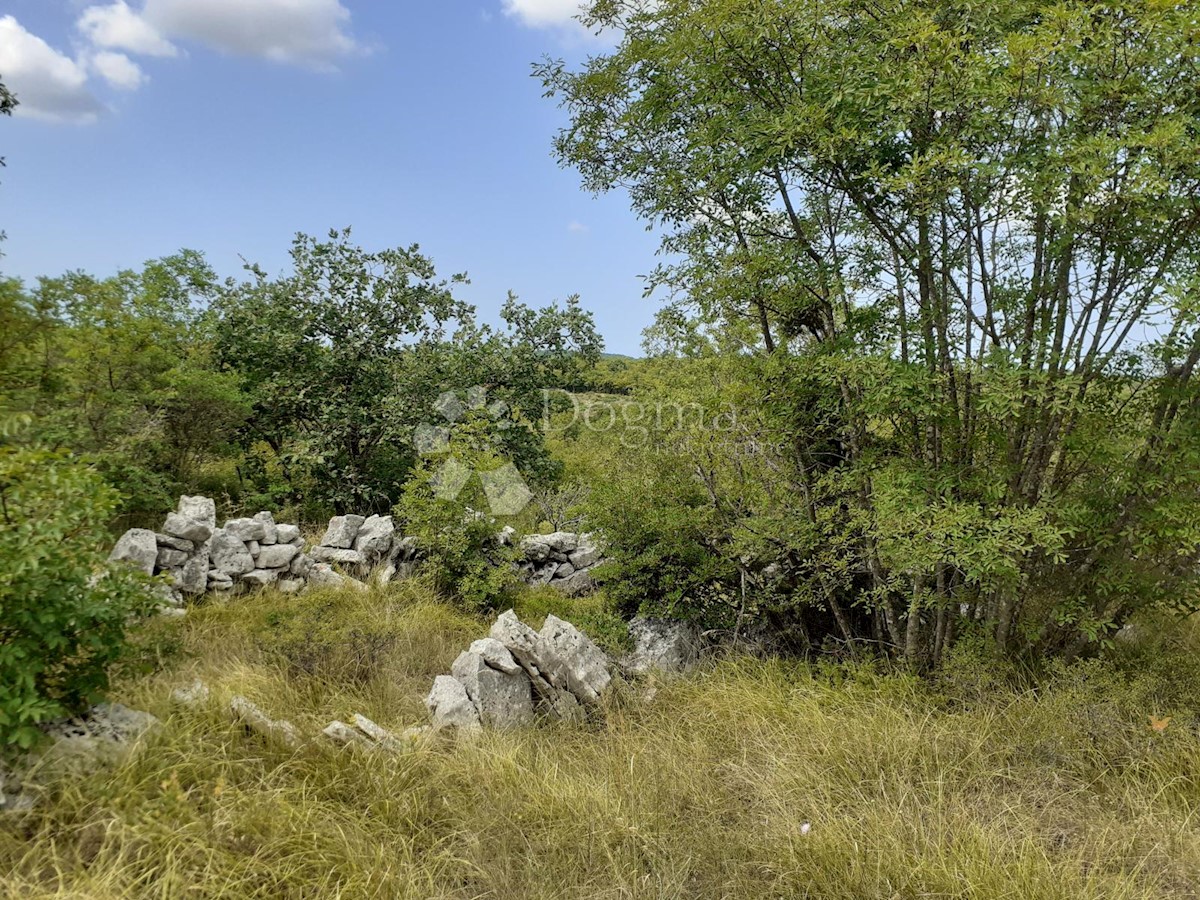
(696, 787)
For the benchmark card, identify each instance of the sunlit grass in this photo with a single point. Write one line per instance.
(695, 787)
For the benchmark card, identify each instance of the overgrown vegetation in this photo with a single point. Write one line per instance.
(748, 778)
(955, 246)
(63, 613)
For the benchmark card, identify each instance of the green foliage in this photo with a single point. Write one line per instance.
(63, 613)
(460, 544)
(347, 355)
(959, 240)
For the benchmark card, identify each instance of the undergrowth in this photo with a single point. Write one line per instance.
(746, 778)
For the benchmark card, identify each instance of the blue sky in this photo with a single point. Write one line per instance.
(228, 125)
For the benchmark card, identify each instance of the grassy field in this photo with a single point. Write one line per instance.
(744, 779)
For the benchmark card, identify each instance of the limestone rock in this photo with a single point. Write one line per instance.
(562, 541)
(137, 547)
(450, 706)
(337, 555)
(585, 557)
(564, 570)
(286, 534)
(246, 530)
(257, 721)
(374, 538)
(377, 734)
(195, 694)
(569, 660)
(198, 509)
(260, 577)
(342, 531)
(193, 577)
(576, 585)
(496, 655)
(170, 559)
(301, 566)
(188, 529)
(522, 642)
(276, 556)
(290, 585)
(664, 644)
(175, 543)
(321, 575)
(229, 554)
(342, 734)
(270, 531)
(503, 700)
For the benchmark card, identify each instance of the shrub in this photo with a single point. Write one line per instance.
(63, 612)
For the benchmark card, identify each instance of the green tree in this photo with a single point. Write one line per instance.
(963, 238)
(347, 355)
(63, 611)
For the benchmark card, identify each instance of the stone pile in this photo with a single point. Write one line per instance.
(564, 560)
(366, 544)
(257, 552)
(502, 680)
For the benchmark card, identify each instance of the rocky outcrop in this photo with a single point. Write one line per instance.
(504, 679)
(665, 645)
(564, 560)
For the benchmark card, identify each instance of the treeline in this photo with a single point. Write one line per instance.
(301, 391)
(944, 258)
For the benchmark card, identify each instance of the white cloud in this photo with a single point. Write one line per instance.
(577, 228)
(118, 27)
(544, 13)
(118, 70)
(49, 84)
(309, 33)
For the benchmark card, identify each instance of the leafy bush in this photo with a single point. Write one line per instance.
(63, 613)
(462, 552)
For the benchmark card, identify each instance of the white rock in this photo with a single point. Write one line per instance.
(575, 585)
(301, 566)
(137, 547)
(175, 543)
(260, 577)
(188, 529)
(503, 700)
(374, 538)
(290, 585)
(585, 557)
(342, 531)
(562, 541)
(193, 577)
(450, 706)
(276, 556)
(270, 531)
(285, 534)
(198, 509)
(106, 723)
(321, 575)
(170, 559)
(342, 734)
(564, 570)
(261, 724)
(377, 733)
(229, 554)
(569, 660)
(194, 694)
(522, 642)
(254, 547)
(496, 655)
(246, 530)
(663, 644)
(336, 555)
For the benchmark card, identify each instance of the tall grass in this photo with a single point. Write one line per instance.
(744, 779)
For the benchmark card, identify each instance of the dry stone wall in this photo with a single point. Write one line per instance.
(257, 552)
